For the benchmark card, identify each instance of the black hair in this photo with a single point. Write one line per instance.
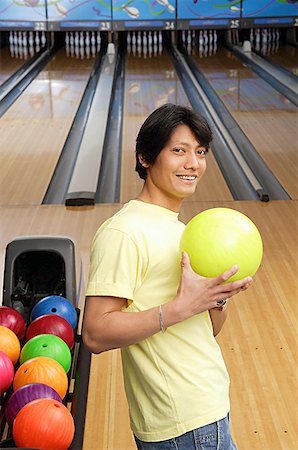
(158, 128)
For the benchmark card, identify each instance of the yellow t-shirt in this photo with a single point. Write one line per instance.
(176, 381)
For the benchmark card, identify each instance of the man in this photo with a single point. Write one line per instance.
(144, 299)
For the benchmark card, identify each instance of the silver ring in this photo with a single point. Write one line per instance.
(220, 302)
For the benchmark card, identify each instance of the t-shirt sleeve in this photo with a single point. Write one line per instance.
(114, 266)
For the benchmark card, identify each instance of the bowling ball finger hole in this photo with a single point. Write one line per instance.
(44, 345)
(54, 310)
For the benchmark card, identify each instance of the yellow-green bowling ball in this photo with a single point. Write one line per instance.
(219, 238)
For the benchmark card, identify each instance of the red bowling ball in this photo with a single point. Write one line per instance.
(6, 372)
(43, 424)
(51, 324)
(12, 319)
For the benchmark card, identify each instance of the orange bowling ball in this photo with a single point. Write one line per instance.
(9, 344)
(42, 370)
(45, 424)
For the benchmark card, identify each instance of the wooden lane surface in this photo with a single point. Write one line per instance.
(259, 341)
(149, 83)
(34, 129)
(8, 65)
(287, 57)
(268, 119)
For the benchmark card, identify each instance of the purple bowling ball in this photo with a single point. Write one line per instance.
(26, 394)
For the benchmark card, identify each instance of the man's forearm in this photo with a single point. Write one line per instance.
(114, 329)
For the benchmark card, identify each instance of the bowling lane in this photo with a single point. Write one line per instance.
(34, 129)
(150, 83)
(8, 65)
(267, 118)
(286, 56)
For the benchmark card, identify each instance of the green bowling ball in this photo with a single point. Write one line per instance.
(47, 345)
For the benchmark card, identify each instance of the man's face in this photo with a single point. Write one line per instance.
(177, 169)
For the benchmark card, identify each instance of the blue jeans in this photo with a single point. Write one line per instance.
(215, 436)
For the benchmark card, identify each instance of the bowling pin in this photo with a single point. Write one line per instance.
(201, 40)
(258, 39)
(277, 34)
(188, 38)
(183, 36)
(87, 39)
(251, 36)
(210, 36)
(24, 39)
(193, 37)
(258, 36)
(139, 38)
(81, 41)
(31, 39)
(264, 36)
(92, 38)
(145, 41)
(43, 39)
(215, 36)
(134, 39)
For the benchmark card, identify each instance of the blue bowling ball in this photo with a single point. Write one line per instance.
(55, 304)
